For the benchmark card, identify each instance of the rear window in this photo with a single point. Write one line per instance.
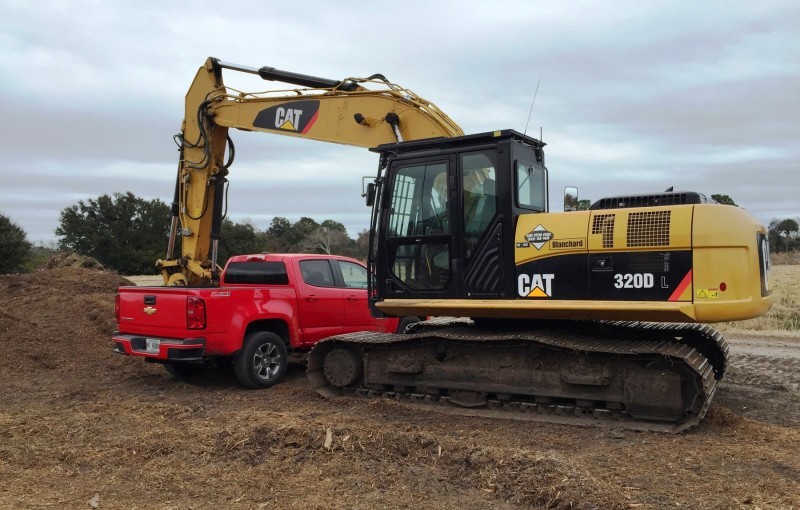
(317, 273)
(259, 272)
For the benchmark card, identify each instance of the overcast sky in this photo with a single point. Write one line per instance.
(634, 97)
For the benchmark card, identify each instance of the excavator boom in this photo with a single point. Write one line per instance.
(365, 112)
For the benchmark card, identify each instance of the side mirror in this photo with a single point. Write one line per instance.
(570, 198)
(368, 189)
(369, 194)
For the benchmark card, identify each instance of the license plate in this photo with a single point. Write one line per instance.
(152, 345)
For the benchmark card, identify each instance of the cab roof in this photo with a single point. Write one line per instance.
(276, 257)
(491, 137)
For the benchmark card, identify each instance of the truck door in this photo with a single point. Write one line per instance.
(321, 302)
(357, 316)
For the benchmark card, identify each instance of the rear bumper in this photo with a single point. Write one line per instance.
(188, 350)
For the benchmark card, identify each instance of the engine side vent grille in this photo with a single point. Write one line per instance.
(604, 224)
(649, 228)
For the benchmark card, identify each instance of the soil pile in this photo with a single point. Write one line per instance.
(71, 259)
(57, 318)
(80, 425)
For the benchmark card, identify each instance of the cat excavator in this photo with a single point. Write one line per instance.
(590, 317)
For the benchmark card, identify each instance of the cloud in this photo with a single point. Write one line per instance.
(633, 97)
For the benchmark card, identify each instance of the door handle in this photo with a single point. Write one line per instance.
(352, 298)
(311, 298)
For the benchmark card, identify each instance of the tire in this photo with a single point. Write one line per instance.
(404, 323)
(183, 370)
(262, 361)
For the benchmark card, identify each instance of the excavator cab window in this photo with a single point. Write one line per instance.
(441, 224)
(420, 225)
(531, 182)
(480, 198)
(419, 202)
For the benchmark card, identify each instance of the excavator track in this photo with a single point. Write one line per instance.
(633, 375)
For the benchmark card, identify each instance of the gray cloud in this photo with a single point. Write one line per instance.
(633, 97)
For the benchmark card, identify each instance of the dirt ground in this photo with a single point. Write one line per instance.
(82, 427)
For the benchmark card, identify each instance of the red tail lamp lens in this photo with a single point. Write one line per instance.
(195, 313)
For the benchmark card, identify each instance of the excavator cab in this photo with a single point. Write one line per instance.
(440, 228)
(460, 227)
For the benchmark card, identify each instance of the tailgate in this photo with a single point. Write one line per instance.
(153, 311)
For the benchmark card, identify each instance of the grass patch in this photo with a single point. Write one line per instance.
(784, 317)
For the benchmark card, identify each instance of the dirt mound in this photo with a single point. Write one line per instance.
(66, 279)
(59, 317)
(71, 259)
(78, 420)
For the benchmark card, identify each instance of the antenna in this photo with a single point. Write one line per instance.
(532, 103)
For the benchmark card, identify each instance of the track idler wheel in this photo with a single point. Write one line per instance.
(342, 367)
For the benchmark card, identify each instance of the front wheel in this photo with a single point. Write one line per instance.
(405, 322)
(262, 361)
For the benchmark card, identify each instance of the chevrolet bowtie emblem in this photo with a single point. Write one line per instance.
(149, 310)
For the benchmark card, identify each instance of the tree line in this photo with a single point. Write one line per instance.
(128, 234)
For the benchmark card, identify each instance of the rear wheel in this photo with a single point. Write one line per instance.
(262, 361)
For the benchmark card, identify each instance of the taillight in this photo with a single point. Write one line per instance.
(195, 313)
(116, 308)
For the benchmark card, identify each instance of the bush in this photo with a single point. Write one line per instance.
(14, 247)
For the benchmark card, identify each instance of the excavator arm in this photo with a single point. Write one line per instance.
(365, 112)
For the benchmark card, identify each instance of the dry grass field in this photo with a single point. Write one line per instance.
(83, 428)
(783, 319)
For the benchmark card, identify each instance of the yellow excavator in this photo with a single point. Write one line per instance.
(587, 317)
(342, 112)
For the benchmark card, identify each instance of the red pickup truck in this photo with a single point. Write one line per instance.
(266, 305)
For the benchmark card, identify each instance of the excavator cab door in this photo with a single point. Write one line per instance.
(420, 241)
